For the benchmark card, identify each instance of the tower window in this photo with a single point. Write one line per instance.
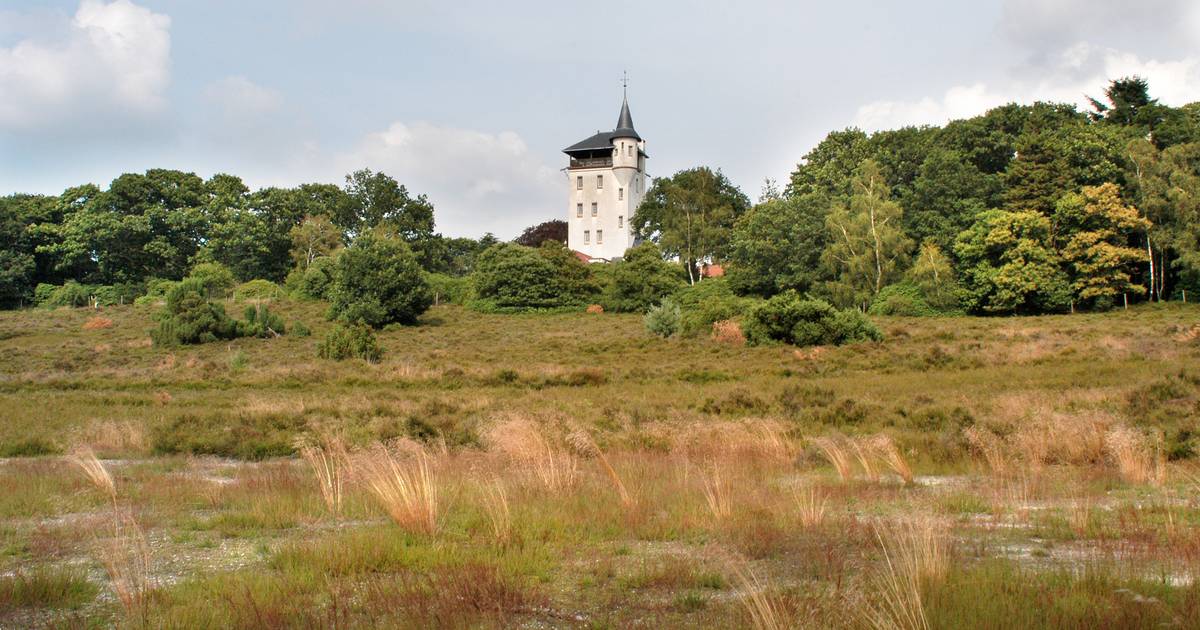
(599, 236)
(579, 182)
(620, 221)
(629, 150)
(595, 208)
(620, 194)
(587, 236)
(599, 182)
(579, 210)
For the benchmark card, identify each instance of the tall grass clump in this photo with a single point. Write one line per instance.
(887, 450)
(85, 458)
(811, 504)
(404, 486)
(327, 462)
(126, 559)
(718, 494)
(495, 503)
(1139, 458)
(765, 610)
(836, 454)
(990, 446)
(583, 443)
(527, 446)
(914, 552)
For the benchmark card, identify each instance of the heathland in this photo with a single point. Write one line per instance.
(574, 470)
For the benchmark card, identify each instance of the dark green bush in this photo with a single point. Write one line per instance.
(512, 277)
(214, 279)
(190, 318)
(261, 322)
(641, 280)
(257, 290)
(242, 437)
(789, 318)
(313, 282)
(902, 299)
(378, 281)
(449, 289)
(346, 341)
(70, 293)
(707, 302)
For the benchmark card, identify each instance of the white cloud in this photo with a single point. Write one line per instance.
(477, 181)
(1075, 73)
(110, 58)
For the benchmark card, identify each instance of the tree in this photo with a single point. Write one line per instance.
(1128, 102)
(641, 280)
(829, 168)
(933, 275)
(1094, 228)
(690, 215)
(946, 196)
(866, 243)
(190, 318)
(554, 230)
(376, 199)
(1008, 264)
(777, 246)
(377, 281)
(315, 236)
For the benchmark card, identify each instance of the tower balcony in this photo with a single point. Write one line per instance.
(594, 162)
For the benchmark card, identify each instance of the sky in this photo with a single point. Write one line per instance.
(471, 102)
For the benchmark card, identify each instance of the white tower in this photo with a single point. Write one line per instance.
(606, 178)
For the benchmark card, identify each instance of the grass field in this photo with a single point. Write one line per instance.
(570, 470)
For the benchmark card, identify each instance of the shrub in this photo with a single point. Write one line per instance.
(728, 331)
(213, 279)
(257, 290)
(512, 277)
(805, 322)
(708, 302)
(641, 280)
(71, 294)
(156, 291)
(350, 341)
(261, 322)
(663, 320)
(190, 318)
(449, 289)
(902, 299)
(300, 330)
(378, 281)
(314, 281)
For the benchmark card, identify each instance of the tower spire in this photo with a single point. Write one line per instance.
(625, 120)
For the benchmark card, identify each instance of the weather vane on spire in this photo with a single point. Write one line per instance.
(624, 82)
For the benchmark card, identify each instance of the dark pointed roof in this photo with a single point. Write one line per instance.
(603, 139)
(625, 123)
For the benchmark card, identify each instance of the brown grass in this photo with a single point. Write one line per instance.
(914, 551)
(765, 610)
(126, 559)
(582, 441)
(523, 442)
(98, 323)
(404, 486)
(85, 458)
(327, 462)
(1138, 456)
(728, 331)
(834, 452)
(495, 503)
(718, 494)
(887, 450)
(811, 504)
(595, 309)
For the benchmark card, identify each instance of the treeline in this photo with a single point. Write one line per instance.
(112, 245)
(1023, 209)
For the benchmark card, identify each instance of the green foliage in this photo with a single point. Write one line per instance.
(663, 319)
(189, 318)
(314, 281)
(510, 276)
(377, 281)
(257, 290)
(933, 275)
(806, 322)
(213, 279)
(1009, 265)
(449, 289)
(690, 215)
(245, 436)
(777, 246)
(261, 322)
(378, 201)
(641, 280)
(72, 294)
(350, 341)
(902, 299)
(707, 302)
(1097, 225)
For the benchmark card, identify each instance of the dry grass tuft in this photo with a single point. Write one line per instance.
(914, 551)
(836, 454)
(1138, 456)
(495, 503)
(97, 323)
(863, 450)
(403, 485)
(327, 462)
(582, 441)
(595, 309)
(811, 505)
(85, 458)
(520, 440)
(728, 331)
(887, 450)
(126, 559)
(766, 611)
(990, 446)
(718, 494)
